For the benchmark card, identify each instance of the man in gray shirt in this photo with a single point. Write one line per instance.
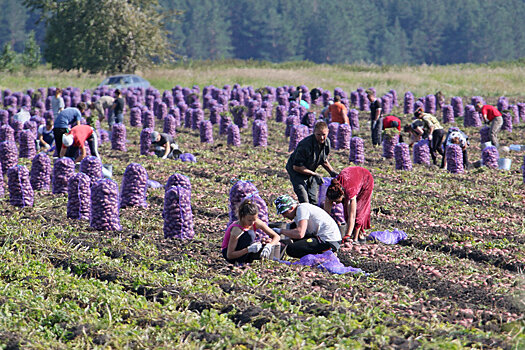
(100, 105)
(316, 230)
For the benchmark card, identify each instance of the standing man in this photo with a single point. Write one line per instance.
(68, 117)
(302, 164)
(376, 122)
(338, 111)
(492, 116)
(118, 110)
(315, 231)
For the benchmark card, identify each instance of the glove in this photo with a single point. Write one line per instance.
(164, 157)
(277, 230)
(254, 247)
(267, 250)
(333, 174)
(319, 179)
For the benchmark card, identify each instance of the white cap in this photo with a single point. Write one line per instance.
(67, 140)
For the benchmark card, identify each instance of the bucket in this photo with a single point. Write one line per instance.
(107, 170)
(485, 145)
(516, 148)
(504, 163)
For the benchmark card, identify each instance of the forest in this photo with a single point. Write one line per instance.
(381, 32)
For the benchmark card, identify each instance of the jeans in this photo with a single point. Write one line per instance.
(376, 128)
(495, 127)
(58, 132)
(115, 118)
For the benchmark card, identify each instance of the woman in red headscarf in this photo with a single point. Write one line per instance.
(353, 187)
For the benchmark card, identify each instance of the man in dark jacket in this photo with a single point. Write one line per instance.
(302, 164)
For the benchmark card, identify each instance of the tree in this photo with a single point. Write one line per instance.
(7, 58)
(31, 55)
(102, 35)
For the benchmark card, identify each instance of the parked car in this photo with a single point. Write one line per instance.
(125, 81)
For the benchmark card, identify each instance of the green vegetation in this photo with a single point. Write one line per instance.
(457, 282)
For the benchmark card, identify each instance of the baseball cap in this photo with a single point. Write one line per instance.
(284, 203)
(67, 140)
(154, 136)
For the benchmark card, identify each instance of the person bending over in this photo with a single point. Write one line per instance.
(491, 116)
(239, 245)
(74, 142)
(433, 131)
(67, 118)
(164, 146)
(46, 138)
(315, 231)
(353, 187)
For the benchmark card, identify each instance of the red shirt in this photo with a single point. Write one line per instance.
(338, 112)
(387, 122)
(80, 134)
(490, 111)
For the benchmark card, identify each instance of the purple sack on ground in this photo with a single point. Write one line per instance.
(326, 261)
(388, 237)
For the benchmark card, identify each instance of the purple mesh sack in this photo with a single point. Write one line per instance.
(17, 128)
(135, 116)
(239, 192)
(40, 174)
(20, 191)
(234, 136)
(79, 197)
(162, 110)
(178, 180)
(148, 120)
(297, 133)
(408, 105)
(388, 237)
(337, 211)
(8, 155)
(332, 134)
(260, 133)
(353, 116)
(187, 157)
(484, 134)
(105, 206)
(402, 157)
(27, 144)
(134, 186)
(326, 261)
(178, 217)
(503, 103)
(7, 133)
(448, 114)
(169, 125)
(344, 134)
(457, 106)
(430, 104)
(92, 167)
(507, 122)
(490, 156)
(206, 131)
(118, 138)
(515, 114)
(357, 151)
(422, 152)
(197, 117)
(389, 143)
(2, 191)
(521, 110)
(145, 142)
(224, 122)
(281, 113)
(63, 169)
(291, 120)
(32, 126)
(454, 156)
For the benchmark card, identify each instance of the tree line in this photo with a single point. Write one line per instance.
(321, 31)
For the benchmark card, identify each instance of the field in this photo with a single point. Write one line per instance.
(456, 282)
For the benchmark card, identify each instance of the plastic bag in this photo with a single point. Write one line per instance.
(388, 237)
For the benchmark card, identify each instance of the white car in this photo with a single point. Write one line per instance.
(125, 81)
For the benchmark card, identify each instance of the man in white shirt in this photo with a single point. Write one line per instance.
(316, 231)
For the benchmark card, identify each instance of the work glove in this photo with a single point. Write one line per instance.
(254, 247)
(318, 179)
(333, 174)
(267, 250)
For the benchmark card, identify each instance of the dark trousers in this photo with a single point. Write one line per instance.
(376, 128)
(58, 132)
(438, 136)
(244, 241)
(306, 188)
(310, 245)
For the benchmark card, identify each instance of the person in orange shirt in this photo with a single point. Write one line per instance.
(338, 111)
